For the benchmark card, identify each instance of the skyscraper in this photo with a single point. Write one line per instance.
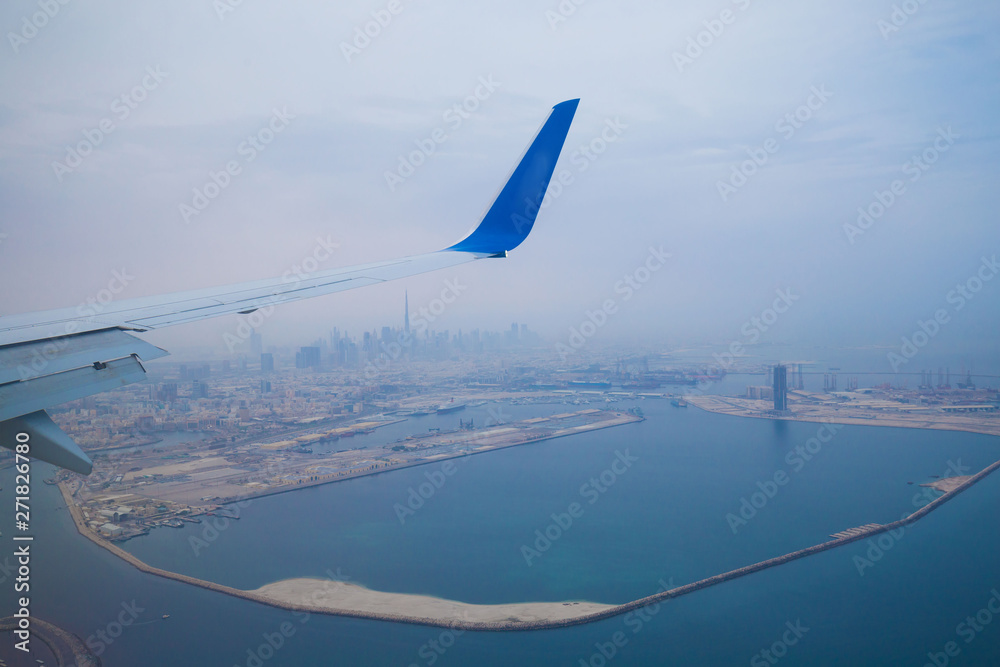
(266, 362)
(256, 344)
(780, 388)
(307, 357)
(406, 312)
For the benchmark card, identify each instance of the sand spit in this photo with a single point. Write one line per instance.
(342, 599)
(948, 484)
(348, 597)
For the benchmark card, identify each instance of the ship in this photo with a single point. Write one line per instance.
(589, 384)
(679, 403)
(450, 407)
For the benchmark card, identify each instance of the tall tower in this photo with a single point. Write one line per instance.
(780, 388)
(256, 344)
(406, 312)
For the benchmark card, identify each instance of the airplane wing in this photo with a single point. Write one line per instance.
(55, 356)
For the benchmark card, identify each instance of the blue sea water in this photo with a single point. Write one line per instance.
(663, 519)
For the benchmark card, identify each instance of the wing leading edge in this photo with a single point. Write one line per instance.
(51, 357)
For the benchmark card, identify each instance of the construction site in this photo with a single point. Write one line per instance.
(131, 493)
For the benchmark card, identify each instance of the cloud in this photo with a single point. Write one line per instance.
(657, 185)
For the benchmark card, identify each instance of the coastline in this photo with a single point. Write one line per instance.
(621, 420)
(342, 599)
(737, 407)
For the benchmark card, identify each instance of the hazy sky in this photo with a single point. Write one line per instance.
(833, 99)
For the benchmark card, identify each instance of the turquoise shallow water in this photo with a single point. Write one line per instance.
(664, 517)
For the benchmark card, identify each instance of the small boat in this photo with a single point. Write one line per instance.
(165, 616)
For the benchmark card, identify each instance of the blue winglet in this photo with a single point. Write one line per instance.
(510, 218)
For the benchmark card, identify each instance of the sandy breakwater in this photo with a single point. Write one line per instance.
(344, 599)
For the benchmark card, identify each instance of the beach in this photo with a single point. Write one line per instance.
(349, 598)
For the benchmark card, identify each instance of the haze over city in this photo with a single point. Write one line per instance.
(669, 335)
(678, 119)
